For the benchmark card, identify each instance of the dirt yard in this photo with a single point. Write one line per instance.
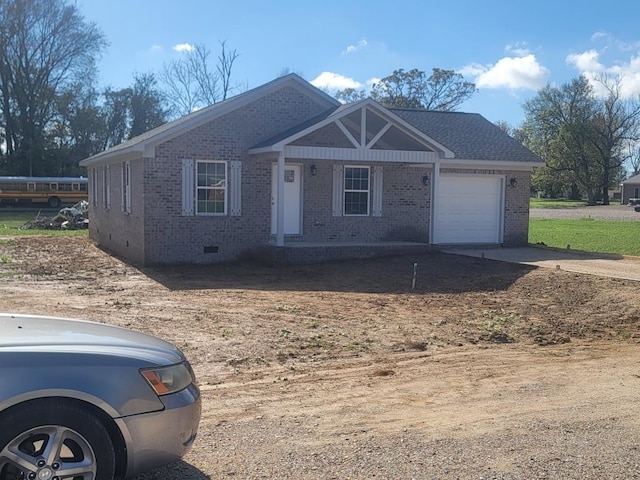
(486, 370)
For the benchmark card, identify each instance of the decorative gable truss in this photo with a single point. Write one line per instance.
(363, 131)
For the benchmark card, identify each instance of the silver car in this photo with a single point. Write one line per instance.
(82, 400)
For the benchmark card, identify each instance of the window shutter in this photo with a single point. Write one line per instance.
(235, 188)
(107, 186)
(377, 191)
(94, 187)
(123, 194)
(338, 187)
(127, 166)
(188, 187)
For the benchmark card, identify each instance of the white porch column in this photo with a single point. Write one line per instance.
(435, 186)
(280, 202)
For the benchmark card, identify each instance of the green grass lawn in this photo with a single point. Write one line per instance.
(11, 221)
(601, 236)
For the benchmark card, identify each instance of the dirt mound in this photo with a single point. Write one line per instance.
(245, 316)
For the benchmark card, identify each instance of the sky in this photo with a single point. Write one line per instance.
(509, 49)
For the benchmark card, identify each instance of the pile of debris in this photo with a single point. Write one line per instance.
(69, 218)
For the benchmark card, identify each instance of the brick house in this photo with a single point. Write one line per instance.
(630, 189)
(286, 170)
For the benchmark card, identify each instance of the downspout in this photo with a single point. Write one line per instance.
(280, 202)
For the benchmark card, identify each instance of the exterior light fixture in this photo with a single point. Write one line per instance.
(425, 180)
(314, 170)
(513, 181)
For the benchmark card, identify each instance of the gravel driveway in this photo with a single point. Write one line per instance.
(602, 212)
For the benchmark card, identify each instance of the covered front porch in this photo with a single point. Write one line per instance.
(327, 181)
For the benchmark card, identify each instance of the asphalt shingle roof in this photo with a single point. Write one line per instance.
(469, 135)
(634, 179)
(298, 128)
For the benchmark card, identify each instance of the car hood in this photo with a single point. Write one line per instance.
(50, 334)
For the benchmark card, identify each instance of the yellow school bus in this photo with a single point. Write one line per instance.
(52, 191)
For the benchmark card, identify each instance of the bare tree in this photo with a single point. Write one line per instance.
(45, 46)
(225, 64)
(179, 87)
(616, 123)
(191, 83)
(558, 123)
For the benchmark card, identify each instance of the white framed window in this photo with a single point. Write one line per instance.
(211, 187)
(356, 190)
(125, 170)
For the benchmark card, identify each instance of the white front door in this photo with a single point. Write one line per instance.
(292, 199)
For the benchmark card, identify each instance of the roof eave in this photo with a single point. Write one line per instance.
(208, 114)
(492, 164)
(135, 151)
(268, 149)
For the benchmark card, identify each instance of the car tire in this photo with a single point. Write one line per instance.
(53, 202)
(32, 433)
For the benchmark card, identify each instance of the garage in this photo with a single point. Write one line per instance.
(468, 209)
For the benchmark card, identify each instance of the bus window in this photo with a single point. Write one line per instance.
(53, 186)
(75, 186)
(31, 186)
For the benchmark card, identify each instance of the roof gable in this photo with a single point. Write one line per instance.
(163, 133)
(366, 124)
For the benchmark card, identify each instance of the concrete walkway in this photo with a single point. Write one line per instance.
(614, 266)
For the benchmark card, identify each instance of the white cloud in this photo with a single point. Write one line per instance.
(610, 41)
(519, 49)
(354, 48)
(472, 70)
(155, 49)
(372, 81)
(590, 65)
(514, 73)
(334, 81)
(183, 47)
(586, 61)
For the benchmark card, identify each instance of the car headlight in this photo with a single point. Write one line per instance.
(166, 380)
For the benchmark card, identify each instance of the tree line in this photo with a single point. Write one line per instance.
(587, 132)
(53, 114)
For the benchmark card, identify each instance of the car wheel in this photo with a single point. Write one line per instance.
(54, 440)
(54, 202)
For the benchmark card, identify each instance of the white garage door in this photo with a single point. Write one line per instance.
(468, 210)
